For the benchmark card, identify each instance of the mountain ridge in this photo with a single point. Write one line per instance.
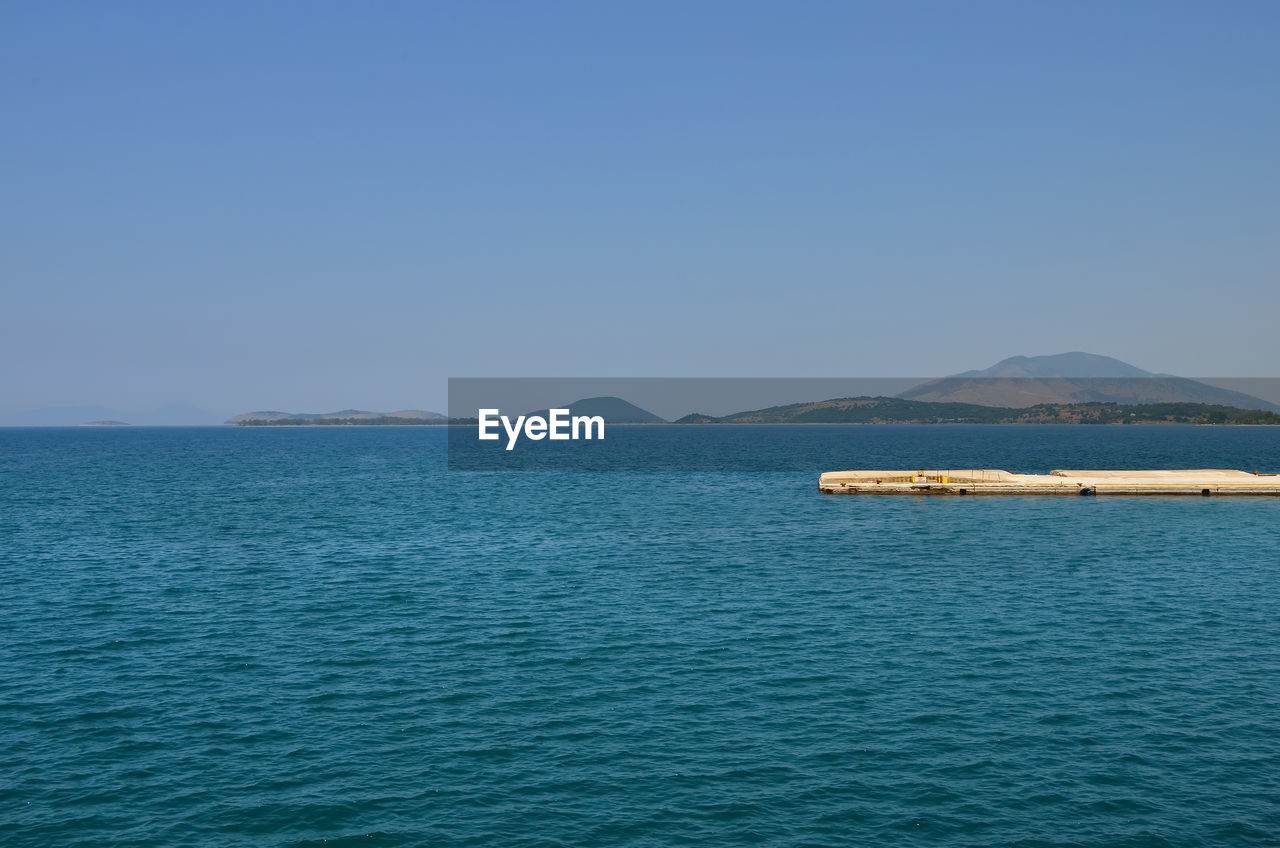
(613, 409)
(1074, 364)
(1074, 378)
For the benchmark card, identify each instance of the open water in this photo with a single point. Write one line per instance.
(320, 636)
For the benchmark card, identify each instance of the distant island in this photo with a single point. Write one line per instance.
(345, 417)
(886, 410)
(614, 410)
(1065, 388)
(105, 424)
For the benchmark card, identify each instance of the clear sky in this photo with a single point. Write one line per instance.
(311, 205)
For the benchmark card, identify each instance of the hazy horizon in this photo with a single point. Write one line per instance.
(670, 398)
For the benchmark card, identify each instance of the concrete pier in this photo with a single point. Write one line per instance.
(981, 481)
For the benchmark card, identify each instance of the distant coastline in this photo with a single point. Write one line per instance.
(342, 418)
(885, 410)
(375, 421)
(859, 410)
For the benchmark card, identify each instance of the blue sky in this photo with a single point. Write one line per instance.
(306, 206)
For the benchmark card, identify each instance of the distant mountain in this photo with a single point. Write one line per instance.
(1074, 364)
(345, 416)
(614, 410)
(1022, 381)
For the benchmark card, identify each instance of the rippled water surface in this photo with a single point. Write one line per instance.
(315, 636)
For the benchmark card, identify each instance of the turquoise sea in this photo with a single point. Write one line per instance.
(320, 636)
